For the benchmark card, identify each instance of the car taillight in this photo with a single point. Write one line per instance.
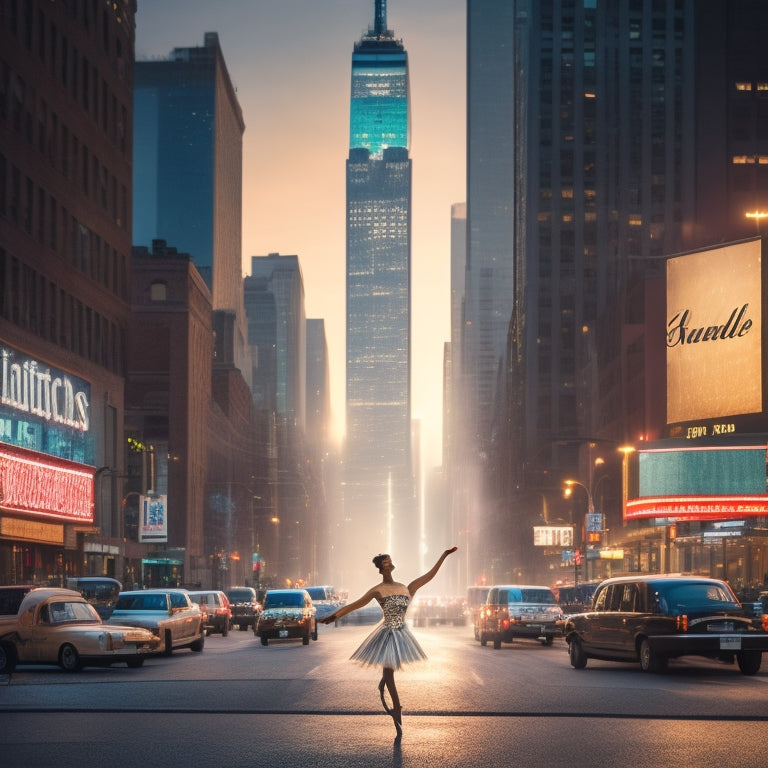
(681, 623)
(764, 622)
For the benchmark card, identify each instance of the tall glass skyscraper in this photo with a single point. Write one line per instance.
(187, 169)
(379, 489)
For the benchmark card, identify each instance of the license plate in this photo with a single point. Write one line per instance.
(283, 633)
(730, 643)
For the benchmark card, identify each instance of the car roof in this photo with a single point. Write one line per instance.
(520, 586)
(286, 591)
(40, 595)
(158, 591)
(660, 578)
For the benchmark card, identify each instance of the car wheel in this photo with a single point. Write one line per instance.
(749, 661)
(7, 659)
(496, 642)
(225, 629)
(314, 632)
(265, 641)
(548, 639)
(168, 648)
(650, 661)
(305, 638)
(576, 654)
(483, 639)
(199, 644)
(135, 663)
(69, 658)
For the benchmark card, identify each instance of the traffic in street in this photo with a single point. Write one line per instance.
(289, 704)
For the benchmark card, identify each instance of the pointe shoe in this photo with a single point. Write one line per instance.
(397, 717)
(381, 694)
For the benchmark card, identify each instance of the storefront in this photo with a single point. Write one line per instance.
(46, 475)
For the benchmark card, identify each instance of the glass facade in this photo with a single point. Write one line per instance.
(379, 487)
(187, 165)
(379, 106)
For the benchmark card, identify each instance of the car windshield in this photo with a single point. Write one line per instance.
(240, 596)
(141, 603)
(317, 593)
(529, 596)
(695, 596)
(284, 600)
(63, 611)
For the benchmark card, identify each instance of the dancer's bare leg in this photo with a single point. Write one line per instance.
(388, 675)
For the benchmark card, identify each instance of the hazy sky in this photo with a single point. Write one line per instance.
(290, 63)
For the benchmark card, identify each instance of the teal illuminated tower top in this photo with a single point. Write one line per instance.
(379, 104)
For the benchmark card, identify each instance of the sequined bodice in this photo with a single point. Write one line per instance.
(394, 608)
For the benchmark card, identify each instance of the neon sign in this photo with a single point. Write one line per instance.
(697, 507)
(28, 386)
(41, 486)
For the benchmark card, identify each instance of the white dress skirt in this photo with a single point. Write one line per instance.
(391, 644)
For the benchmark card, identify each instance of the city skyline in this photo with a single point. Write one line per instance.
(266, 45)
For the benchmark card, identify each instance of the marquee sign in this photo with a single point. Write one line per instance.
(28, 386)
(45, 487)
(699, 508)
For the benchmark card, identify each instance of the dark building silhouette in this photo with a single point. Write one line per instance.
(66, 80)
(602, 137)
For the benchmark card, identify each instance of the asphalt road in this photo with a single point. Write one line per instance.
(288, 705)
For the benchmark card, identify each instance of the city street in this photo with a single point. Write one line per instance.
(289, 705)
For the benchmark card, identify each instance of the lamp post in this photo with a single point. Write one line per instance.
(594, 520)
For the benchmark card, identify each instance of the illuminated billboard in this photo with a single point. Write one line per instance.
(699, 481)
(714, 333)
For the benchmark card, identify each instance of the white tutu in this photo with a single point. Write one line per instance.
(391, 644)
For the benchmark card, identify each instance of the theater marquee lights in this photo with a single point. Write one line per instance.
(709, 479)
(45, 487)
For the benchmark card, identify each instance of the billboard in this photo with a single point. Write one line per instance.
(704, 480)
(153, 521)
(552, 536)
(714, 333)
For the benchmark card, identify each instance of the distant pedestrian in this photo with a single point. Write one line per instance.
(391, 644)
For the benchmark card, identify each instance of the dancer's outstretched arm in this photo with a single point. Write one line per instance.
(349, 607)
(430, 574)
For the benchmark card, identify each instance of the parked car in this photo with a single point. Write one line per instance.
(368, 614)
(518, 610)
(100, 591)
(11, 597)
(476, 597)
(168, 613)
(324, 599)
(59, 626)
(652, 619)
(245, 607)
(217, 613)
(576, 599)
(287, 613)
(429, 610)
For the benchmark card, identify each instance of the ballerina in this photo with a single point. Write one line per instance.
(391, 644)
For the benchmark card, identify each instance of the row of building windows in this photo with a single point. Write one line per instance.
(28, 21)
(59, 148)
(32, 302)
(30, 209)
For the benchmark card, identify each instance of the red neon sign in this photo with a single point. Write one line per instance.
(43, 486)
(698, 507)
